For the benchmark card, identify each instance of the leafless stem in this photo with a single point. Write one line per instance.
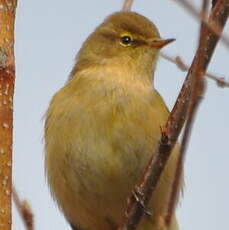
(216, 28)
(221, 82)
(177, 117)
(196, 94)
(24, 210)
(127, 5)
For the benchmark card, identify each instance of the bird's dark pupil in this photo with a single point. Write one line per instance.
(126, 39)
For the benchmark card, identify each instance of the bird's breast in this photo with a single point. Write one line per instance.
(104, 135)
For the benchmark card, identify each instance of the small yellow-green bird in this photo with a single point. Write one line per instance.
(103, 125)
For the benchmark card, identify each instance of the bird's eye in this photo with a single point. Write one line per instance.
(126, 40)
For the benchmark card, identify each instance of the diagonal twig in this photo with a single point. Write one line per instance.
(196, 95)
(220, 81)
(175, 122)
(24, 210)
(215, 27)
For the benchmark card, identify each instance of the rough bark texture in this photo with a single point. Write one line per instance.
(7, 77)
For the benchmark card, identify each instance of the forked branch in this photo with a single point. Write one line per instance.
(220, 81)
(212, 25)
(197, 92)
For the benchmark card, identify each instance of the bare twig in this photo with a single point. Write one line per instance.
(184, 67)
(127, 5)
(175, 122)
(211, 24)
(24, 210)
(196, 95)
(213, 3)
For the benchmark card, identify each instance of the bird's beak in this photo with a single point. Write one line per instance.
(159, 43)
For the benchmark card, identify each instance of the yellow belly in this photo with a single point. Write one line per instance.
(96, 152)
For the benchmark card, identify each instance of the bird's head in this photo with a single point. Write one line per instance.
(124, 37)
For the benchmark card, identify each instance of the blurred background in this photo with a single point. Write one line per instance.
(48, 36)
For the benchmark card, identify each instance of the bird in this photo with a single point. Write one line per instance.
(103, 125)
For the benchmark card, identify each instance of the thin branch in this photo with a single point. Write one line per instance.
(175, 122)
(24, 210)
(216, 28)
(213, 3)
(220, 81)
(196, 95)
(127, 5)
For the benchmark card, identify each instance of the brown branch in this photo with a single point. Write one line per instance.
(7, 78)
(127, 5)
(175, 122)
(213, 3)
(213, 26)
(196, 95)
(220, 81)
(24, 210)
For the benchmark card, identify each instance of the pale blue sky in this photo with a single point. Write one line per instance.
(48, 36)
